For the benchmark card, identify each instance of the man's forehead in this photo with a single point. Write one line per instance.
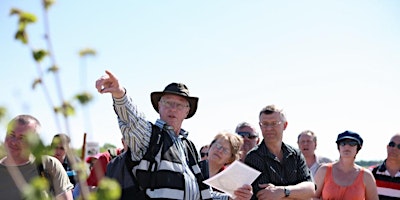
(247, 129)
(396, 138)
(175, 98)
(23, 128)
(306, 137)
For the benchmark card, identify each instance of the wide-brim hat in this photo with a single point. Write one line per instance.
(176, 89)
(350, 135)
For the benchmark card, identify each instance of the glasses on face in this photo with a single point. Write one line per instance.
(202, 154)
(220, 147)
(392, 144)
(351, 143)
(247, 135)
(272, 124)
(172, 104)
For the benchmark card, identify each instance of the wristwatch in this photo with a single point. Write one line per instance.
(287, 192)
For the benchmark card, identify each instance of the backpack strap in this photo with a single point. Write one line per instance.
(156, 141)
(44, 173)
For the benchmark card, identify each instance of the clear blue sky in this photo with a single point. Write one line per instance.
(332, 65)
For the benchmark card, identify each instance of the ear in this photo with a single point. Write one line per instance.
(285, 125)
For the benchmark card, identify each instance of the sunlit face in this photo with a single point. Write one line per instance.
(393, 153)
(16, 140)
(346, 148)
(59, 152)
(220, 152)
(272, 127)
(249, 141)
(307, 145)
(173, 109)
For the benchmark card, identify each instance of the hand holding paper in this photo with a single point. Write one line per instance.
(233, 177)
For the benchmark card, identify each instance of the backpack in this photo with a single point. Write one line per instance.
(123, 164)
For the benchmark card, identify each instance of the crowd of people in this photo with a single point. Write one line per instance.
(159, 161)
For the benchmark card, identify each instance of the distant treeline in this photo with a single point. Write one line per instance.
(368, 163)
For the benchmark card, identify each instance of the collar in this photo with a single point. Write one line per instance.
(286, 150)
(170, 130)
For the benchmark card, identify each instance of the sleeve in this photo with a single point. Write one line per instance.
(58, 176)
(218, 195)
(254, 161)
(134, 127)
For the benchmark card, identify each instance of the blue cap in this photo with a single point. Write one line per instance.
(350, 135)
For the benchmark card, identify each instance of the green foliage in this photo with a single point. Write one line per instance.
(35, 190)
(368, 163)
(108, 189)
(21, 36)
(24, 18)
(53, 68)
(2, 150)
(48, 3)
(3, 113)
(36, 82)
(39, 55)
(66, 109)
(84, 98)
(87, 52)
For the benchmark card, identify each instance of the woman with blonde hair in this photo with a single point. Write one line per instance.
(224, 149)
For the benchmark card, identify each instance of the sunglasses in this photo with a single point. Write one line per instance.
(247, 134)
(392, 144)
(203, 154)
(351, 143)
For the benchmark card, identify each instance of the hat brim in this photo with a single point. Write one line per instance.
(193, 101)
(349, 137)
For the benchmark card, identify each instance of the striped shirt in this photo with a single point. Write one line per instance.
(137, 132)
(388, 186)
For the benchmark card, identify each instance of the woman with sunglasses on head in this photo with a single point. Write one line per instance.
(344, 179)
(223, 150)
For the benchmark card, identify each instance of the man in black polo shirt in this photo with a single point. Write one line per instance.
(284, 169)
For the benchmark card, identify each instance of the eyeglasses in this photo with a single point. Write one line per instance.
(272, 124)
(220, 147)
(247, 135)
(171, 104)
(202, 154)
(392, 144)
(352, 143)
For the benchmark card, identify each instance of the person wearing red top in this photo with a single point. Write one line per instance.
(98, 166)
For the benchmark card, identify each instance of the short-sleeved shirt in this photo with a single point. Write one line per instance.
(388, 186)
(290, 171)
(319, 160)
(58, 178)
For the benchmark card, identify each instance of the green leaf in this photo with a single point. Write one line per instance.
(48, 3)
(87, 52)
(39, 55)
(36, 82)
(15, 11)
(35, 190)
(108, 189)
(21, 36)
(3, 113)
(84, 98)
(53, 68)
(25, 17)
(67, 109)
